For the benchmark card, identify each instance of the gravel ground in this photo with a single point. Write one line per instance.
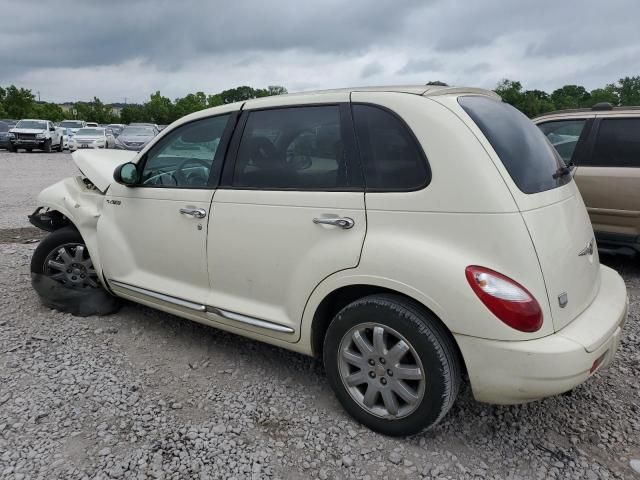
(143, 394)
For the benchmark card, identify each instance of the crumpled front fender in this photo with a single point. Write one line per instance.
(81, 203)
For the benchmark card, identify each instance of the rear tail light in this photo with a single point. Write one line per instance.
(507, 299)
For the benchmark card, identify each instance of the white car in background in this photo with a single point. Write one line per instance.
(92, 124)
(91, 138)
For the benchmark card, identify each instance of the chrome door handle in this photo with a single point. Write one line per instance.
(194, 212)
(342, 222)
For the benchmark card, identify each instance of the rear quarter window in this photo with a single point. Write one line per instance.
(531, 161)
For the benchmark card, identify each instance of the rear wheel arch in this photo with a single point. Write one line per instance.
(339, 298)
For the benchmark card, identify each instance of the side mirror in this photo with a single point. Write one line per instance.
(126, 174)
(53, 129)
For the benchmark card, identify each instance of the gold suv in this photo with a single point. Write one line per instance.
(603, 143)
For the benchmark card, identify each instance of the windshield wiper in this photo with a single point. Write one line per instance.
(565, 170)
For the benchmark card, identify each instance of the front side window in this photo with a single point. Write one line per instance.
(186, 156)
(563, 135)
(617, 143)
(297, 148)
(391, 156)
(533, 164)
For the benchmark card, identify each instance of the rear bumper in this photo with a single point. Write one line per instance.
(505, 372)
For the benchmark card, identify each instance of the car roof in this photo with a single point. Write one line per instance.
(588, 113)
(316, 96)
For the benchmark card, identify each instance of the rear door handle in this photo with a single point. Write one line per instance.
(194, 212)
(342, 222)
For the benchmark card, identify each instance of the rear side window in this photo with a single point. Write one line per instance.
(533, 164)
(297, 148)
(618, 143)
(391, 156)
(564, 136)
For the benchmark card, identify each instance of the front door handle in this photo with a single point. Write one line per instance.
(194, 212)
(342, 222)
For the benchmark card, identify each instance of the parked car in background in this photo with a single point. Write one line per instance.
(73, 125)
(91, 138)
(472, 254)
(92, 124)
(33, 134)
(9, 122)
(5, 142)
(135, 137)
(116, 128)
(603, 145)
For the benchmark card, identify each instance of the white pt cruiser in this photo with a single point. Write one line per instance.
(409, 236)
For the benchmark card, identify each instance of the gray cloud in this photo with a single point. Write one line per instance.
(371, 69)
(421, 65)
(128, 48)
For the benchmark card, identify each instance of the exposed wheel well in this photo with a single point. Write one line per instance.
(49, 220)
(340, 298)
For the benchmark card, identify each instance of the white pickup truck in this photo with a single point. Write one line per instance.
(36, 134)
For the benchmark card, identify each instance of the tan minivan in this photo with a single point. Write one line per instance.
(603, 143)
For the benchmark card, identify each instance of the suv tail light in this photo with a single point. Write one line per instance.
(507, 299)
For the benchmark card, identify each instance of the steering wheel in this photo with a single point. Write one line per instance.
(181, 178)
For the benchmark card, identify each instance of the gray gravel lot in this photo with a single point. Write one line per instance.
(143, 394)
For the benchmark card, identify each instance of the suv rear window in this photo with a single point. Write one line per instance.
(523, 149)
(618, 143)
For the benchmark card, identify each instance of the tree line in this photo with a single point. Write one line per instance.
(624, 92)
(20, 103)
(17, 103)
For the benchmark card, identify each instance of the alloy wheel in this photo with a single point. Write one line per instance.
(71, 265)
(381, 371)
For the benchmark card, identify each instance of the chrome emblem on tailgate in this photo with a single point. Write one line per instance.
(588, 250)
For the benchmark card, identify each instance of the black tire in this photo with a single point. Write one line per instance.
(61, 146)
(79, 301)
(12, 149)
(47, 146)
(28, 150)
(430, 341)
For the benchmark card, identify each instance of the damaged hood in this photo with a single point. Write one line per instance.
(98, 165)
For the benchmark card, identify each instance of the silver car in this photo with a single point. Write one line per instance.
(135, 137)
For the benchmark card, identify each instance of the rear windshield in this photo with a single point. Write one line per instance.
(534, 165)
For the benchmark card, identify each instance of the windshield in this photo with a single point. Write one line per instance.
(146, 131)
(71, 124)
(35, 124)
(533, 164)
(90, 132)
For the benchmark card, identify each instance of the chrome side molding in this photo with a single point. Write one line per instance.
(236, 317)
(256, 322)
(160, 296)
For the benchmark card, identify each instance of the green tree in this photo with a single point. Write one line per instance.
(17, 102)
(510, 91)
(536, 102)
(571, 96)
(276, 90)
(132, 113)
(628, 90)
(194, 102)
(47, 111)
(606, 94)
(158, 109)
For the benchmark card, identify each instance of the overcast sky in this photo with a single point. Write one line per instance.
(73, 50)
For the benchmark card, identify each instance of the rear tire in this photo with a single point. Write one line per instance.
(63, 276)
(400, 351)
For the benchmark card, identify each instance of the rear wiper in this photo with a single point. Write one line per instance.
(562, 171)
